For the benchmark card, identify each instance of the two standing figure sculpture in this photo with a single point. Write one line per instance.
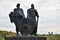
(25, 25)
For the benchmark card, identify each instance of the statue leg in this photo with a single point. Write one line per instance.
(34, 31)
(16, 29)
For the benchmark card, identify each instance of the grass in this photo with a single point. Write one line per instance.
(49, 37)
(1, 38)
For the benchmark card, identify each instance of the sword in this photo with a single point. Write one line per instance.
(37, 21)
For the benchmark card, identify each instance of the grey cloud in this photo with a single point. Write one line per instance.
(48, 18)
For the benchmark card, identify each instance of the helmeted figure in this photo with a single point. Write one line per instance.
(31, 15)
(18, 12)
(16, 16)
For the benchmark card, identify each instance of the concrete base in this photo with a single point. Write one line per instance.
(25, 38)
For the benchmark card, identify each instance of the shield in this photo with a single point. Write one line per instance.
(11, 15)
(26, 26)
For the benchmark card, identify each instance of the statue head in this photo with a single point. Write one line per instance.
(18, 5)
(32, 6)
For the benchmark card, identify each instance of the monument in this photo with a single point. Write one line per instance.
(24, 25)
(31, 15)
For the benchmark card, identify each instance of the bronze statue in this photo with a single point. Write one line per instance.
(24, 25)
(32, 14)
(18, 14)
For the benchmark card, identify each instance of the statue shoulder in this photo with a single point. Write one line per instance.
(34, 10)
(15, 9)
(21, 9)
(29, 9)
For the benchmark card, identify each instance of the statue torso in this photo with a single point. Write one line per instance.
(31, 14)
(18, 12)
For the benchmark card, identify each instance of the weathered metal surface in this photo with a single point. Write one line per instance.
(25, 38)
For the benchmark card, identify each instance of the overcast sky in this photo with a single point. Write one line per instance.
(48, 10)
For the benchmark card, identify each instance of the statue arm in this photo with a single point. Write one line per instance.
(36, 13)
(14, 11)
(11, 17)
(23, 13)
(28, 13)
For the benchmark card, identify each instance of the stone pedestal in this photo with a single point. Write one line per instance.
(25, 38)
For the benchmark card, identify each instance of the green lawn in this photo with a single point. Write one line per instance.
(1, 38)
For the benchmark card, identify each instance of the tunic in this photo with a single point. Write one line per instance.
(31, 14)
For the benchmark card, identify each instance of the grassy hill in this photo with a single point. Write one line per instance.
(6, 33)
(9, 33)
